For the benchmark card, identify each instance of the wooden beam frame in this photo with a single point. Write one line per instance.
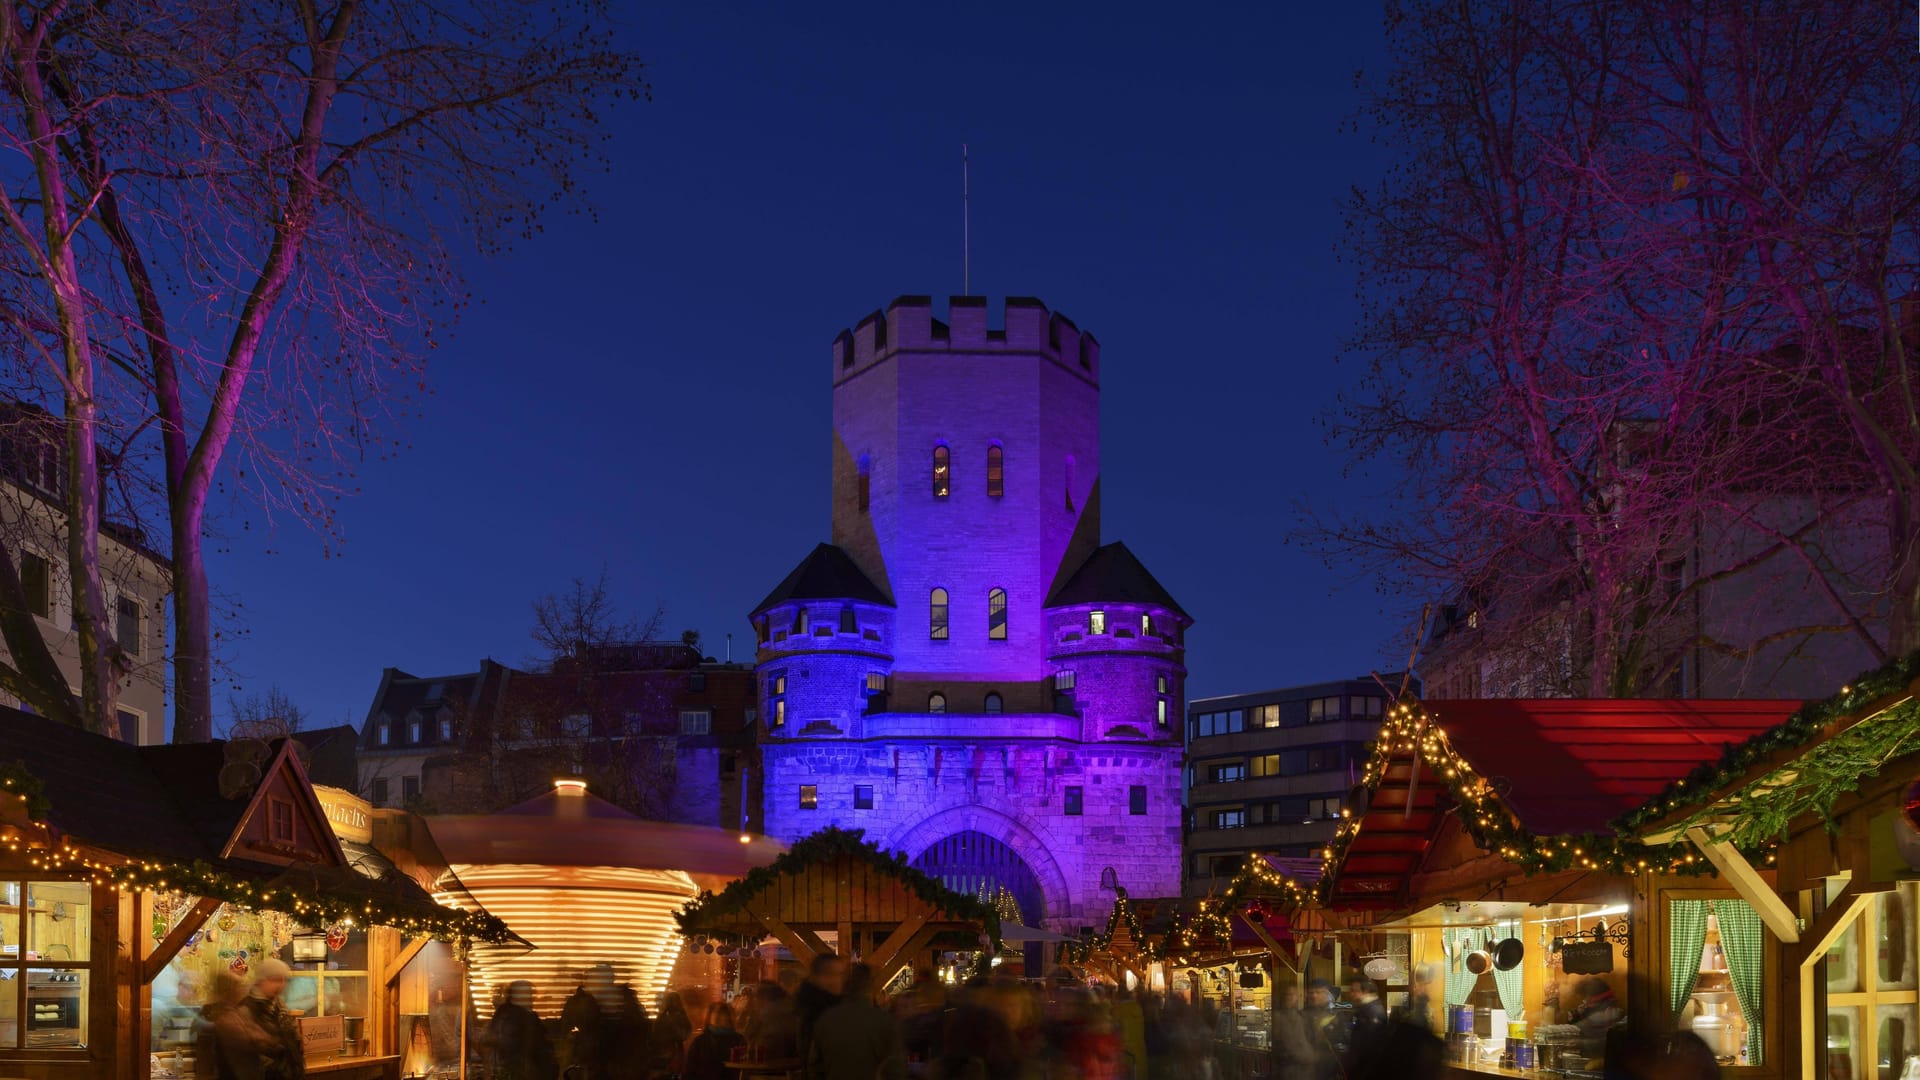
(885, 952)
(404, 957)
(1822, 932)
(884, 969)
(800, 948)
(168, 947)
(1747, 882)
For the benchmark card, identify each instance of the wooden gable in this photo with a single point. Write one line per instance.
(284, 822)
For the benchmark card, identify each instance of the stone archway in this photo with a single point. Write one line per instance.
(916, 840)
(982, 866)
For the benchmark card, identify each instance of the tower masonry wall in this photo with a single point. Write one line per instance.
(924, 791)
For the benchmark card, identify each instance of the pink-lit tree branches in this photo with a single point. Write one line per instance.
(1634, 336)
(271, 195)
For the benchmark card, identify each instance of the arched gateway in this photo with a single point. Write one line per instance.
(975, 864)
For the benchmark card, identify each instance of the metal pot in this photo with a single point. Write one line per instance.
(1479, 962)
(1508, 954)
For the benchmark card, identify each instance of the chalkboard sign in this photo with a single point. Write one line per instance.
(1586, 957)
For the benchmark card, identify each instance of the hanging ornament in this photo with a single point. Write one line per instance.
(193, 943)
(227, 919)
(337, 936)
(238, 965)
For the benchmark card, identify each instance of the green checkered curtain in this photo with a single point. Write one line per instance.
(1745, 941)
(1513, 996)
(1686, 939)
(1459, 980)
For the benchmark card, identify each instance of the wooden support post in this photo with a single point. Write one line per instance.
(168, 947)
(1749, 884)
(883, 971)
(1822, 932)
(889, 950)
(404, 957)
(795, 944)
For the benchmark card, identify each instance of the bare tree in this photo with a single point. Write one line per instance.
(264, 715)
(1600, 404)
(267, 193)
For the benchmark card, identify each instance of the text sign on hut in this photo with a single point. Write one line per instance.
(1586, 957)
(322, 1034)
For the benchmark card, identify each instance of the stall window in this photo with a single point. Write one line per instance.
(1716, 958)
(335, 986)
(45, 963)
(1873, 1013)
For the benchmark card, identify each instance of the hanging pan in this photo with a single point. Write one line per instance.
(1508, 954)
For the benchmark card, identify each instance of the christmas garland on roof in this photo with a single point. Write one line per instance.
(1705, 782)
(829, 843)
(1256, 883)
(17, 781)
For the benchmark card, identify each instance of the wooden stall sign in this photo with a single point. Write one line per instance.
(322, 1035)
(1586, 957)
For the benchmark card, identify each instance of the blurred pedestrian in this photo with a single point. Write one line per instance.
(518, 1041)
(1417, 1010)
(1366, 1025)
(713, 1047)
(856, 1039)
(825, 981)
(1294, 1049)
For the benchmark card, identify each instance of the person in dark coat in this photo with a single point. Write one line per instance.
(856, 1039)
(820, 992)
(223, 996)
(521, 1049)
(286, 1059)
(708, 1054)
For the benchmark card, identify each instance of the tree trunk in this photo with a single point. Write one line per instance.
(193, 629)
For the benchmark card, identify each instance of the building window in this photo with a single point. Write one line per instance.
(129, 723)
(446, 730)
(413, 731)
(779, 716)
(863, 796)
(1365, 706)
(1074, 804)
(942, 472)
(1230, 818)
(996, 614)
(1264, 765)
(996, 472)
(1263, 716)
(1221, 723)
(1225, 866)
(1321, 710)
(127, 633)
(409, 790)
(876, 682)
(280, 821)
(1137, 799)
(993, 704)
(36, 579)
(1160, 684)
(937, 615)
(1096, 622)
(384, 733)
(1063, 680)
(1160, 713)
(776, 699)
(1146, 625)
(577, 726)
(809, 797)
(1322, 808)
(936, 703)
(1226, 772)
(847, 623)
(696, 721)
(800, 621)
(379, 792)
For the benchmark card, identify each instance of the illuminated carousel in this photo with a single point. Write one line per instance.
(586, 884)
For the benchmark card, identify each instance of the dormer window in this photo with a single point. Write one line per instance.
(942, 472)
(996, 472)
(384, 733)
(446, 731)
(413, 731)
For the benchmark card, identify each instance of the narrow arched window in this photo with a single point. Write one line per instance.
(996, 472)
(937, 615)
(942, 472)
(997, 614)
(847, 623)
(936, 703)
(800, 620)
(992, 705)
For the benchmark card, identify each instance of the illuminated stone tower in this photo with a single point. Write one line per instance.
(966, 672)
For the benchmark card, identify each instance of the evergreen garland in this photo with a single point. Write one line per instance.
(698, 917)
(17, 781)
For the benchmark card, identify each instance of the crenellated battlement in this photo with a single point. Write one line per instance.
(908, 325)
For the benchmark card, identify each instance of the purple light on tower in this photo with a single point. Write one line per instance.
(966, 672)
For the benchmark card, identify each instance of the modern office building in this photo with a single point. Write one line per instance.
(1270, 772)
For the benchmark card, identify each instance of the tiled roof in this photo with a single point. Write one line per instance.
(827, 573)
(101, 790)
(1113, 575)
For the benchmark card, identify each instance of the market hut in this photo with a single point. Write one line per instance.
(1483, 851)
(835, 882)
(131, 874)
(1810, 828)
(585, 883)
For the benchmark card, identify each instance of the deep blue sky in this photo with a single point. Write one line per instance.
(651, 392)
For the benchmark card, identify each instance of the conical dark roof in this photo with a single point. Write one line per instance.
(1113, 575)
(827, 573)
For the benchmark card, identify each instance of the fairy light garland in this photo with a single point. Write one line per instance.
(48, 851)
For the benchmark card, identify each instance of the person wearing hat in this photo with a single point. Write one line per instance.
(285, 1060)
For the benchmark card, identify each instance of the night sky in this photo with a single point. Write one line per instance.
(650, 392)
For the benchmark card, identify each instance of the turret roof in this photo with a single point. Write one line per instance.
(827, 573)
(1113, 574)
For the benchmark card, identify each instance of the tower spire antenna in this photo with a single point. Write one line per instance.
(966, 230)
